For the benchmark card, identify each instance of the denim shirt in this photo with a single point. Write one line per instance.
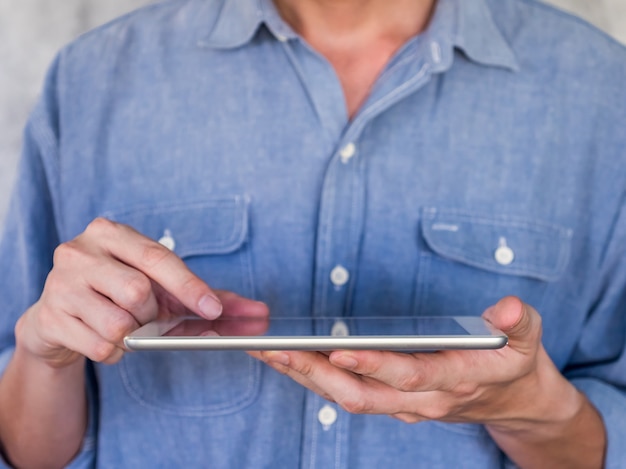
(499, 130)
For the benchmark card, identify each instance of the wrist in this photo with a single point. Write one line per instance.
(560, 429)
(43, 409)
(550, 405)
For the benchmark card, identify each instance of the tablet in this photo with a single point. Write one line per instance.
(406, 333)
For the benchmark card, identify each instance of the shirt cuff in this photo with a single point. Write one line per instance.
(86, 458)
(611, 404)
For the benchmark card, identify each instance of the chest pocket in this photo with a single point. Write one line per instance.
(212, 238)
(469, 261)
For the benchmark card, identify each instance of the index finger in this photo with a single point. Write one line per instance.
(158, 263)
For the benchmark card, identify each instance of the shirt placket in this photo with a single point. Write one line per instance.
(341, 219)
(339, 231)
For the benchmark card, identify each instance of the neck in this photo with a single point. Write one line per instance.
(357, 37)
(320, 21)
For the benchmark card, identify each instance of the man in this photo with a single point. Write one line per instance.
(327, 159)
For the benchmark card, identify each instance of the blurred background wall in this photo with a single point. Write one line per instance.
(31, 31)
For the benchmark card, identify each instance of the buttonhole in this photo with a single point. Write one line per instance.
(445, 227)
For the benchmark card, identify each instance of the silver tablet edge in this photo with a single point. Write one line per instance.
(318, 343)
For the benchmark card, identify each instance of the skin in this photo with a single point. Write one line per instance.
(110, 280)
(104, 284)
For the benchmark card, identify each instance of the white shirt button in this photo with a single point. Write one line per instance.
(347, 152)
(327, 416)
(340, 329)
(167, 240)
(504, 255)
(339, 276)
(281, 37)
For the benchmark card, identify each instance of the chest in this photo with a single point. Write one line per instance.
(404, 211)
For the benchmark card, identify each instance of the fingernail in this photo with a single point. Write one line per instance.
(345, 361)
(210, 307)
(277, 357)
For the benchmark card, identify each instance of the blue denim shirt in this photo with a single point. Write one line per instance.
(502, 125)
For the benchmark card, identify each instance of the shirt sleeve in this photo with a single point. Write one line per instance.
(31, 233)
(598, 365)
(611, 403)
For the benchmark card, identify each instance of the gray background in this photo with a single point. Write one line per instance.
(31, 31)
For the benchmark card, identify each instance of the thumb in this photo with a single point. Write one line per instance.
(519, 321)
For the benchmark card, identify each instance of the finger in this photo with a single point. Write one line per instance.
(236, 305)
(405, 372)
(158, 263)
(354, 393)
(279, 362)
(252, 316)
(128, 288)
(459, 371)
(519, 321)
(74, 335)
(75, 297)
(111, 322)
(408, 417)
(233, 305)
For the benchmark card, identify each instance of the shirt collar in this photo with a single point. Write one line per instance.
(239, 20)
(465, 24)
(478, 36)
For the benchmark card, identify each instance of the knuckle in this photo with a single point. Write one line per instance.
(20, 326)
(67, 253)
(102, 227)
(153, 254)
(355, 404)
(115, 357)
(538, 326)
(47, 322)
(306, 369)
(537, 318)
(101, 351)
(465, 389)
(45, 318)
(54, 283)
(410, 382)
(136, 292)
(118, 327)
(437, 411)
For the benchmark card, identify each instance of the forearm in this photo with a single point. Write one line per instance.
(43, 411)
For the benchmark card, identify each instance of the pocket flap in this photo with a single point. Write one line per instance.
(502, 244)
(216, 226)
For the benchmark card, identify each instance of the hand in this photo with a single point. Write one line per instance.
(504, 387)
(107, 282)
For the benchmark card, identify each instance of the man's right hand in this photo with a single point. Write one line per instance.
(107, 282)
